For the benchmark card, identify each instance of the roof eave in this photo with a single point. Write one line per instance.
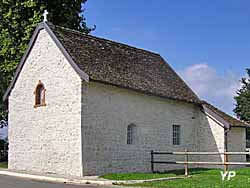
(240, 126)
(81, 73)
(198, 102)
(216, 117)
(41, 26)
(20, 65)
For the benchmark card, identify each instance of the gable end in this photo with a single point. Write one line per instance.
(41, 26)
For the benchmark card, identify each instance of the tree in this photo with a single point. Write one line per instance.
(18, 19)
(3, 124)
(242, 108)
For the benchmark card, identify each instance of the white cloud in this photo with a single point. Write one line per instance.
(208, 84)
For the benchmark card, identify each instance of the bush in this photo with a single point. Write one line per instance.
(3, 151)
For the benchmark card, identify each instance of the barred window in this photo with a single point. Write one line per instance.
(130, 134)
(176, 134)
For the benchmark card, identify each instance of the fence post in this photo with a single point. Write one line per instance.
(186, 165)
(225, 161)
(152, 161)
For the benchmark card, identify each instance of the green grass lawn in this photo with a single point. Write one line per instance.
(200, 178)
(3, 164)
(205, 178)
(137, 176)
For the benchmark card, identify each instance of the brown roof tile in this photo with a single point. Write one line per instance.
(231, 120)
(122, 65)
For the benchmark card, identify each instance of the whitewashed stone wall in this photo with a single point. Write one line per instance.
(83, 128)
(211, 139)
(46, 139)
(108, 110)
(236, 143)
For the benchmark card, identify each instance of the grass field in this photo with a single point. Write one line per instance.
(3, 164)
(137, 176)
(200, 178)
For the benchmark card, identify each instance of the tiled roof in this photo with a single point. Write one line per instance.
(122, 65)
(231, 120)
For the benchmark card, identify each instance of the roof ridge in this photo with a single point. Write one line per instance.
(106, 40)
(120, 64)
(123, 65)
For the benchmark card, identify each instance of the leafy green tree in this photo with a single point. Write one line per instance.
(18, 19)
(242, 108)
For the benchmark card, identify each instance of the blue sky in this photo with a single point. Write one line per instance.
(206, 42)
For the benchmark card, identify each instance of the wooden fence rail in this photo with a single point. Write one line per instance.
(187, 162)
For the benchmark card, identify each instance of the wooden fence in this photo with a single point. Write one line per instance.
(187, 162)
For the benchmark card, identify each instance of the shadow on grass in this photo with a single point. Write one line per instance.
(194, 172)
(191, 171)
(156, 175)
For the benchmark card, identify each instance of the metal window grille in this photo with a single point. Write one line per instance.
(176, 134)
(130, 134)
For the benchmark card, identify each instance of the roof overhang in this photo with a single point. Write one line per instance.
(216, 117)
(45, 26)
(243, 126)
(220, 120)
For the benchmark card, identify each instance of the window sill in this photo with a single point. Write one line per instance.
(39, 105)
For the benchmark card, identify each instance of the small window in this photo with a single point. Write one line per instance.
(130, 134)
(40, 94)
(176, 134)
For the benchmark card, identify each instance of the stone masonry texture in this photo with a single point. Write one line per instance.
(46, 139)
(82, 130)
(108, 110)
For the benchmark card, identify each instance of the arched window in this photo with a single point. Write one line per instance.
(40, 94)
(131, 134)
